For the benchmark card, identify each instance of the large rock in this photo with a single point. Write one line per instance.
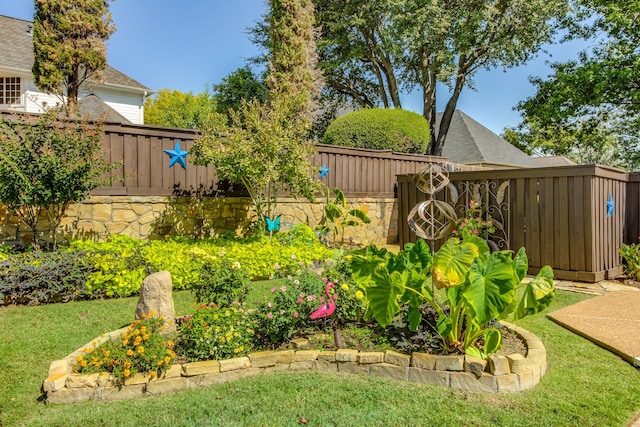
(155, 295)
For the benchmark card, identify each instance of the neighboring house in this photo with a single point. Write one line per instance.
(470, 143)
(119, 98)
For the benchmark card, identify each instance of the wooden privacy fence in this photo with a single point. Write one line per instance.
(145, 171)
(573, 218)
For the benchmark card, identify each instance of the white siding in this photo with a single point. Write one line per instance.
(131, 106)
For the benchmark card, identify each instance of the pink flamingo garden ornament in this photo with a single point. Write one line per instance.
(326, 309)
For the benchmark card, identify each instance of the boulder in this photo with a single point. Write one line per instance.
(156, 296)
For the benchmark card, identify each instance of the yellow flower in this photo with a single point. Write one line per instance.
(126, 373)
(79, 358)
(153, 374)
(83, 363)
(125, 343)
(141, 349)
(137, 340)
(359, 295)
(146, 337)
(129, 352)
(160, 362)
(127, 364)
(167, 359)
(344, 287)
(170, 343)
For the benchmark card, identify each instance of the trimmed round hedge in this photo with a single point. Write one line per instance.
(380, 129)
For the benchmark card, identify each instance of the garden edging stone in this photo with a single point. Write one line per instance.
(512, 373)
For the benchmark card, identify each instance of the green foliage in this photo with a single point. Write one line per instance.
(475, 223)
(118, 265)
(380, 129)
(222, 284)
(479, 287)
(340, 217)
(141, 349)
(216, 332)
(264, 149)
(238, 86)
(289, 307)
(588, 108)
(370, 52)
(180, 110)
(631, 257)
(45, 277)
(47, 165)
(69, 46)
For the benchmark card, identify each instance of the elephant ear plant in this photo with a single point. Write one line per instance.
(466, 285)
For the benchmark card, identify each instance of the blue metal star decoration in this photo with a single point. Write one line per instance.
(177, 156)
(611, 205)
(324, 172)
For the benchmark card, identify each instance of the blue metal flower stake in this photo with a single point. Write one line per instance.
(177, 156)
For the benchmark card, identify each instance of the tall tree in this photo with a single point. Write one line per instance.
(173, 108)
(588, 109)
(400, 46)
(69, 46)
(239, 85)
(265, 146)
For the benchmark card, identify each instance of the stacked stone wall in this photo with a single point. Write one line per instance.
(149, 217)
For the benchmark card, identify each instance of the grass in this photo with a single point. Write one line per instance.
(585, 385)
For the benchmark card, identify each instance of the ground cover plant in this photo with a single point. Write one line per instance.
(604, 394)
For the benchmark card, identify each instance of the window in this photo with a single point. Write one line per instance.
(9, 90)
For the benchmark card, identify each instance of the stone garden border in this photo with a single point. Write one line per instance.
(499, 374)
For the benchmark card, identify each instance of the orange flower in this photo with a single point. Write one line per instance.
(83, 363)
(137, 340)
(127, 364)
(126, 373)
(153, 374)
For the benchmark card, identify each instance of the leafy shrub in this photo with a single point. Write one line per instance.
(475, 222)
(118, 263)
(141, 349)
(289, 307)
(380, 129)
(631, 260)
(45, 277)
(222, 284)
(215, 332)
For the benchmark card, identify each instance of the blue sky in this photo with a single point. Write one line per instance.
(190, 44)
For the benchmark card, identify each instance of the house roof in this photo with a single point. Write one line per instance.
(93, 108)
(470, 142)
(16, 53)
(551, 161)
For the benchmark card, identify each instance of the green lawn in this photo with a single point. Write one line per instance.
(585, 385)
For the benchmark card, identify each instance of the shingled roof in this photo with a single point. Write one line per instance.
(16, 53)
(470, 142)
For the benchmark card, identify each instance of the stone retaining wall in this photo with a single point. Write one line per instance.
(146, 217)
(510, 373)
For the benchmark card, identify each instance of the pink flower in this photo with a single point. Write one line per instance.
(321, 299)
(283, 288)
(325, 280)
(276, 267)
(311, 297)
(269, 315)
(454, 232)
(300, 300)
(270, 304)
(295, 314)
(293, 256)
(273, 290)
(301, 294)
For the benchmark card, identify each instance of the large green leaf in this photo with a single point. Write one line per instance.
(491, 288)
(538, 294)
(451, 263)
(483, 247)
(420, 254)
(340, 197)
(521, 263)
(359, 213)
(363, 266)
(384, 293)
(332, 212)
(492, 340)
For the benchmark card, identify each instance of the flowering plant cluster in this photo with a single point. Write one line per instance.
(141, 349)
(475, 223)
(222, 284)
(216, 332)
(291, 304)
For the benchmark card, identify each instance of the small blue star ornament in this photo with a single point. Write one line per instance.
(324, 171)
(177, 156)
(611, 205)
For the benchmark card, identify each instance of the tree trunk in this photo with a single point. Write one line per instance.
(445, 121)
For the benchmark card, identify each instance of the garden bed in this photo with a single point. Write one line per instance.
(511, 373)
